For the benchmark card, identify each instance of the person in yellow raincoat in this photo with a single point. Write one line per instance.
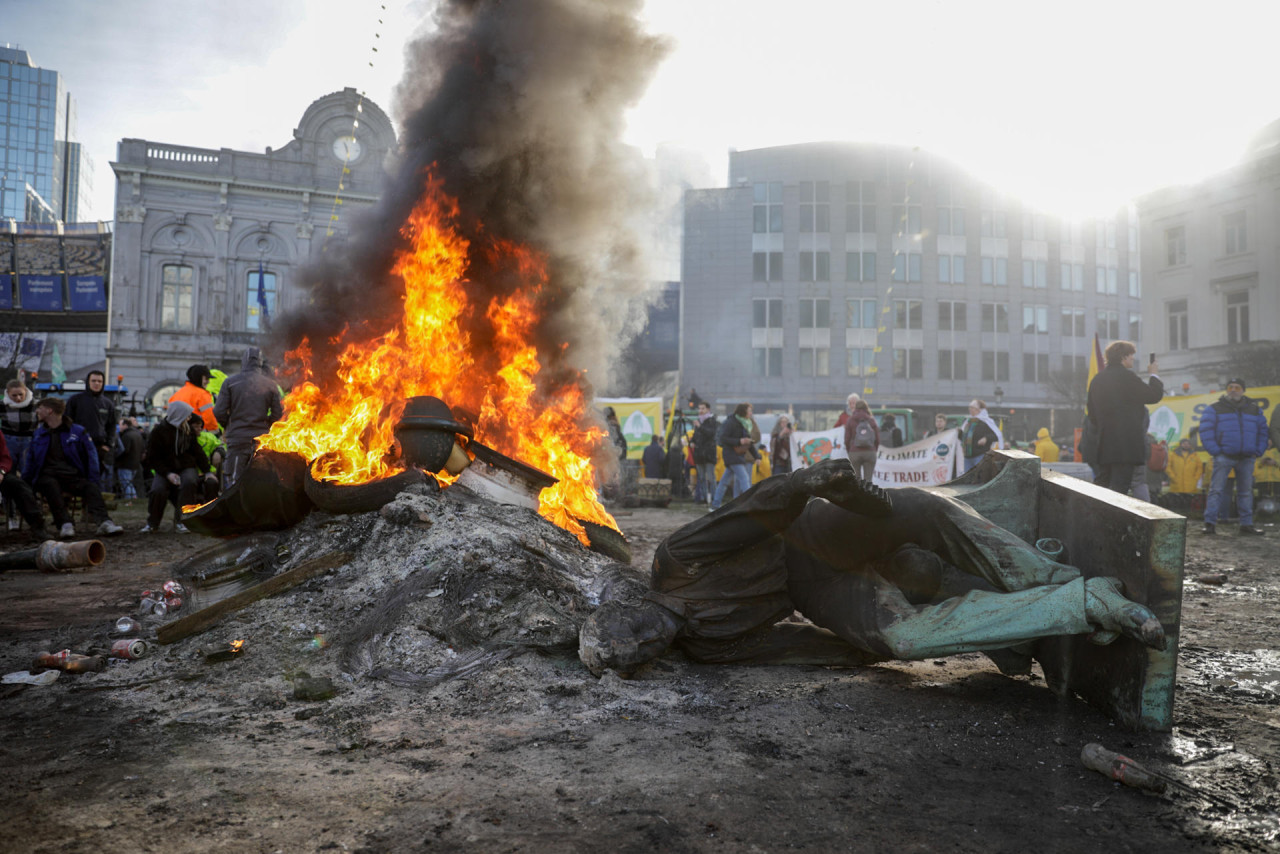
(1266, 471)
(1184, 468)
(1046, 449)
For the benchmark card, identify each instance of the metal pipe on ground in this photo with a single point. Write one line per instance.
(53, 556)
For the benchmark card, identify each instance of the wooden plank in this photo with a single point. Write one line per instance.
(206, 618)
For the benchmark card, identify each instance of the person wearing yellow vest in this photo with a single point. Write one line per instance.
(1185, 468)
(1046, 449)
(194, 394)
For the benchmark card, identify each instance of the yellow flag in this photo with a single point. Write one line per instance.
(1095, 365)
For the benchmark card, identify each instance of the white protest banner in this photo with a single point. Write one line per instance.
(810, 447)
(929, 462)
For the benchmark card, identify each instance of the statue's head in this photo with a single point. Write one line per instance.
(624, 636)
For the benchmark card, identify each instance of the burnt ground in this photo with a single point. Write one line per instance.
(532, 753)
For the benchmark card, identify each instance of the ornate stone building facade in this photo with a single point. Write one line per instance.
(209, 242)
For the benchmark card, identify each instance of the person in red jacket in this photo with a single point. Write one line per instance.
(18, 491)
(862, 440)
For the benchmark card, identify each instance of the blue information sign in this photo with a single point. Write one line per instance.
(6, 290)
(87, 293)
(41, 293)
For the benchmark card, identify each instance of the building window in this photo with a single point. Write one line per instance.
(815, 206)
(995, 271)
(1072, 322)
(995, 366)
(908, 364)
(1237, 236)
(1035, 367)
(1106, 280)
(1135, 326)
(908, 314)
(1175, 243)
(815, 314)
(1035, 273)
(1072, 233)
(1032, 226)
(861, 314)
(1133, 233)
(1177, 313)
(860, 266)
(992, 223)
(951, 269)
(1108, 325)
(907, 219)
(861, 363)
(815, 362)
(1135, 284)
(1072, 277)
(1035, 319)
(767, 314)
(177, 302)
(766, 266)
(254, 320)
(767, 210)
(995, 317)
(1105, 233)
(1078, 365)
(952, 365)
(908, 266)
(1238, 317)
(860, 207)
(952, 316)
(815, 266)
(950, 214)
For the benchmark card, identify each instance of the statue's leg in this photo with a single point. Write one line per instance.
(781, 643)
(960, 536)
(761, 512)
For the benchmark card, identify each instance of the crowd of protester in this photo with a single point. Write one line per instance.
(55, 453)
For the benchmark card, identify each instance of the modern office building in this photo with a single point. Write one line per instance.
(830, 268)
(1213, 283)
(209, 242)
(45, 176)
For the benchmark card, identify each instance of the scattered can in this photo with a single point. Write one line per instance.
(53, 659)
(131, 648)
(127, 626)
(173, 603)
(173, 588)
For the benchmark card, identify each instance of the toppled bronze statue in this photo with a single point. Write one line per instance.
(911, 575)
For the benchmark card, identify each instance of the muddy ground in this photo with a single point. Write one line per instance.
(533, 753)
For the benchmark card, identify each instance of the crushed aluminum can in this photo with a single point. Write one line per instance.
(173, 588)
(56, 660)
(127, 626)
(131, 648)
(172, 603)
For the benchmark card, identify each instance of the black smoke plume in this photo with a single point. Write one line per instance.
(519, 108)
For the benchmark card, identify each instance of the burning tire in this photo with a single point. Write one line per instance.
(607, 542)
(360, 497)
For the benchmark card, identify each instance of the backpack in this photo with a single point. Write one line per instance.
(864, 435)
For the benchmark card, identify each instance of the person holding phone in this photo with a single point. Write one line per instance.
(1118, 401)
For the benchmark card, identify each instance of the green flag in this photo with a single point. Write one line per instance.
(57, 374)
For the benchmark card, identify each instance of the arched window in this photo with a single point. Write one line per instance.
(261, 300)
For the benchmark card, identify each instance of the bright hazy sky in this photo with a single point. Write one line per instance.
(1074, 106)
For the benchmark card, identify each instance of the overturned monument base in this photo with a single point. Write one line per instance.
(1107, 534)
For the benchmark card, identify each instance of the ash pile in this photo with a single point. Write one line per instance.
(432, 585)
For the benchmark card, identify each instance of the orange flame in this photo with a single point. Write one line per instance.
(236, 645)
(344, 424)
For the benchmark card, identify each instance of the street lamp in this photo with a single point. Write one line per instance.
(998, 395)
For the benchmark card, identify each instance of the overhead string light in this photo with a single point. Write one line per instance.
(345, 175)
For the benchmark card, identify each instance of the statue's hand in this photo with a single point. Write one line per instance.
(835, 481)
(623, 636)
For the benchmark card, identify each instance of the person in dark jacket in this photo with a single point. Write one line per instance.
(978, 434)
(738, 451)
(704, 453)
(18, 421)
(654, 458)
(780, 446)
(1117, 408)
(893, 433)
(1234, 431)
(248, 404)
(95, 412)
(181, 467)
(63, 458)
(17, 492)
(856, 438)
(129, 461)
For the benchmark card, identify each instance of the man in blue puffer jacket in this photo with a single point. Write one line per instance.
(63, 458)
(1235, 433)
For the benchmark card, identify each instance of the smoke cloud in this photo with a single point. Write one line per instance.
(519, 108)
